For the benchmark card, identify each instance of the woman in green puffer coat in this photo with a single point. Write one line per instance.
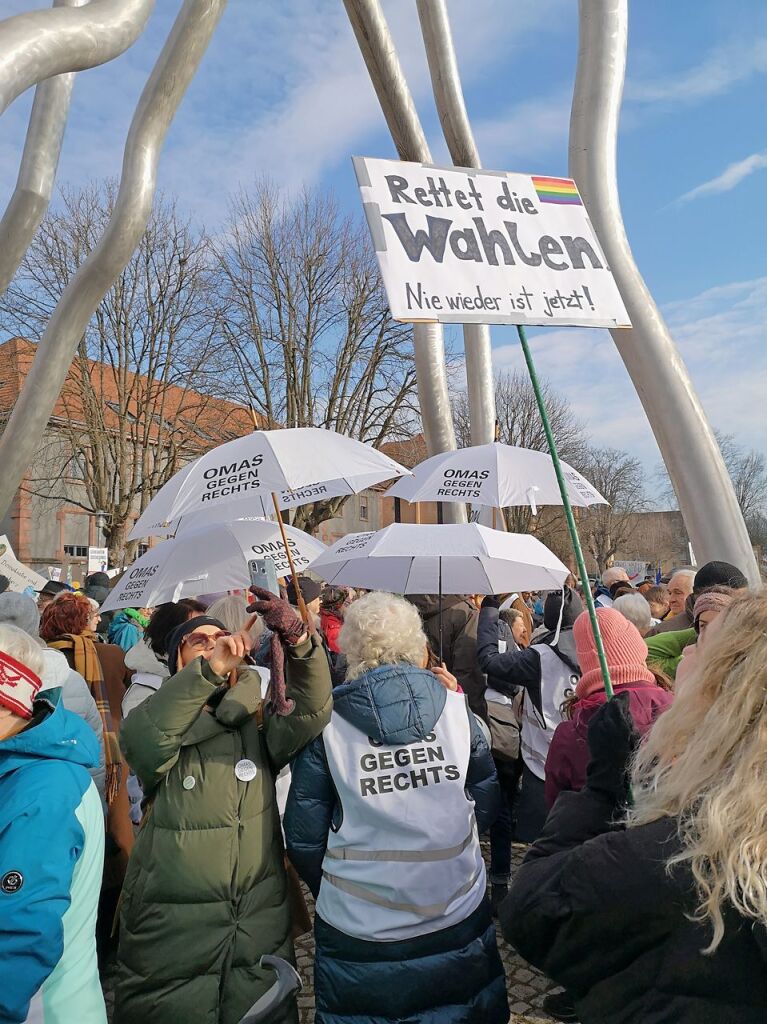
(205, 894)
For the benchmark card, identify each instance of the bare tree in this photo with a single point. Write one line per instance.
(312, 342)
(520, 424)
(620, 479)
(132, 405)
(748, 471)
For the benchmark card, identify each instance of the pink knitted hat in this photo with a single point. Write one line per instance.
(625, 651)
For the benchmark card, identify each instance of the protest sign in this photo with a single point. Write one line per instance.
(457, 245)
(98, 559)
(636, 570)
(19, 575)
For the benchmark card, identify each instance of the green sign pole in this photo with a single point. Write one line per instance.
(568, 510)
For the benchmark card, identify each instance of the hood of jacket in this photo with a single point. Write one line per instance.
(565, 647)
(428, 604)
(553, 605)
(141, 658)
(52, 734)
(392, 704)
(646, 702)
(56, 671)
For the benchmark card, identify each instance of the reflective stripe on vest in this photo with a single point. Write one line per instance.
(402, 804)
(402, 855)
(557, 683)
(433, 910)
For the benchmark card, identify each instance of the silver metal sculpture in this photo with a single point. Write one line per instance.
(174, 70)
(448, 95)
(37, 170)
(41, 44)
(386, 74)
(48, 46)
(703, 487)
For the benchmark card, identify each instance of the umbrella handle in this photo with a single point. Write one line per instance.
(299, 596)
(288, 982)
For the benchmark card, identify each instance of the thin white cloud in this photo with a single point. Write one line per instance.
(720, 336)
(721, 69)
(326, 108)
(530, 130)
(730, 177)
(282, 92)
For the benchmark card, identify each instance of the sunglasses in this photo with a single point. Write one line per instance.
(204, 641)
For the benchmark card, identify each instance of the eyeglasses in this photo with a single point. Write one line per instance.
(205, 641)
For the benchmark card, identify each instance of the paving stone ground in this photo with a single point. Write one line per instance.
(526, 986)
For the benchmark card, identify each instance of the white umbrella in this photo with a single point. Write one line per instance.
(452, 559)
(208, 560)
(455, 559)
(156, 521)
(253, 467)
(494, 474)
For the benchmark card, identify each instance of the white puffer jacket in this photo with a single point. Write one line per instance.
(77, 698)
(149, 673)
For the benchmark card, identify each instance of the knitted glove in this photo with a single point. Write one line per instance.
(286, 628)
(613, 738)
(491, 601)
(278, 615)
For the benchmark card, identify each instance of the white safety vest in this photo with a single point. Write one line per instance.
(405, 860)
(558, 681)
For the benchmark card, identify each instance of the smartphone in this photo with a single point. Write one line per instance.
(263, 574)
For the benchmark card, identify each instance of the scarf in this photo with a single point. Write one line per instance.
(86, 662)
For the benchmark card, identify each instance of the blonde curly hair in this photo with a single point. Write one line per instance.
(381, 629)
(705, 764)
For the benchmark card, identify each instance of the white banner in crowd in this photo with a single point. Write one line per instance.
(464, 246)
(19, 575)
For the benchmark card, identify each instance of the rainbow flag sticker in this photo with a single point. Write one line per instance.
(562, 191)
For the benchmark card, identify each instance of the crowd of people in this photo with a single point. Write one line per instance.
(170, 776)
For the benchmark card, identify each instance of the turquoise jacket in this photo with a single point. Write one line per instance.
(124, 631)
(51, 862)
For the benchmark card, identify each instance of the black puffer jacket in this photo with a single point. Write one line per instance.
(516, 668)
(595, 908)
(459, 641)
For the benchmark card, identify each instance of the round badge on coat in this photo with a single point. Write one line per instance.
(245, 770)
(189, 782)
(11, 882)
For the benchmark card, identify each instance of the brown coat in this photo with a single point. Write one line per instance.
(116, 680)
(459, 641)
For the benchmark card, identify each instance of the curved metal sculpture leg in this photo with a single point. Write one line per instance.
(706, 497)
(37, 170)
(159, 101)
(386, 74)
(41, 44)
(448, 94)
(433, 392)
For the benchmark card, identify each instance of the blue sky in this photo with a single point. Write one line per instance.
(283, 92)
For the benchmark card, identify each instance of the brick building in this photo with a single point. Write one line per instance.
(51, 521)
